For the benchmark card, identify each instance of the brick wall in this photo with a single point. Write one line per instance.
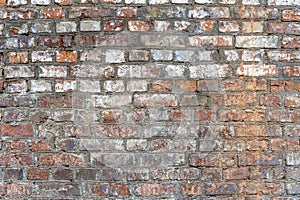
(157, 99)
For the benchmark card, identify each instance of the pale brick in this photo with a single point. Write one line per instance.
(23, 71)
(257, 41)
(40, 86)
(138, 55)
(209, 71)
(253, 27)
(114, 56)
(186, 56)
(41, 2)
(66, 27)
(162, 55)
(16, 2)
(284, 2)
(114, 86)
(293, 159)
(65, 86)
(41, 27)
(158, 1)
(89, 86)
(137, 85)
(53, 71)
(175, 71)
(112, 101)
(90, 25)
(139, 71)
(250, 2)
(210, 40)
(135, 1)
(91, 55)
(257, 70)
(42, 56)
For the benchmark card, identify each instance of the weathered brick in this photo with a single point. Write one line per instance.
(257, 70)
(283, 3)
(211, 160)
(135, 25)
(89, 12)
(17, 57)
(55, 41)
(90, 25)
(54, 189)
(114, 25)
(216, 41)
(259, 160)
(42, 56)
(148, 189)
(284, 27)
(105, 189)
(16, 131)
(122, 39)
(209, 12)
(23, 71)
(114, 56)
(53, 71)
(209, 71)
(60, 159)
(290, 15)
(257, 41)
(38, 174)
(159, 40)
(66, 27)
(221, 188)
(52, 13)
(292, 159)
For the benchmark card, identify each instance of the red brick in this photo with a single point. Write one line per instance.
(16, 146)
(17, 57)
(135, 25)
(16, 131)
(236, 173)
(204, 115)
(126, 12)
(191, 189)
(291, 42)
(284, 27)
(221, 188)
(38, 174)
(281, 144)
(185, 86)
(270, 100)
(260, 160)
(105, 189)
(55, 41)
(52, 13)
(292, 101)
(254, 188)
(229, 115)
(60, 159)
(152, 189)
(89, 12)
(42, 145)
(161, 85)
(66, 56)
(292, 71)
(114, 25)
(19, 188)
(51, 101)
(22, 159)
(257, 145)
(290, 15)
(211, 160)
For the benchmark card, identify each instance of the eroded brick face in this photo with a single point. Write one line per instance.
(157, 99)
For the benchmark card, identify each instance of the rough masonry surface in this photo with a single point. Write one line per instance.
(149, 99)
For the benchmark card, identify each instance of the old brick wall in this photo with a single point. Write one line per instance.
(150, 99)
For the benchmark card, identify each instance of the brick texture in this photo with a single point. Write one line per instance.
(157, 99)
